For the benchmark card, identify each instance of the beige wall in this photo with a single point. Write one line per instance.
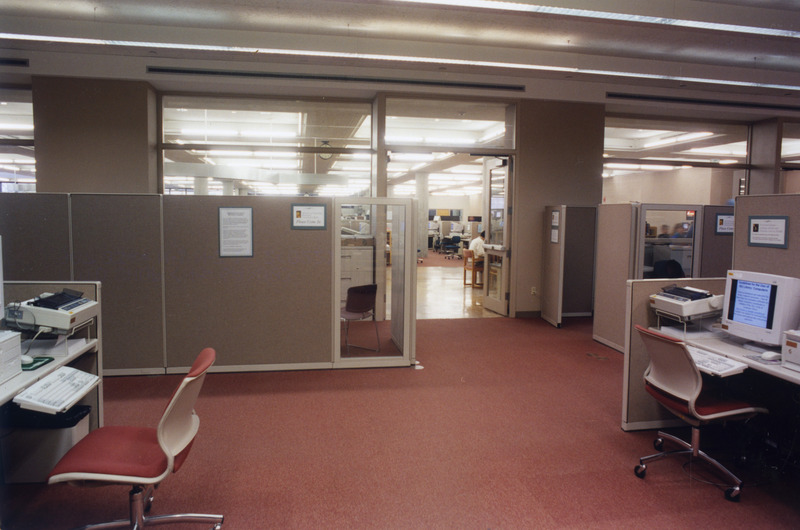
(680, 186)
(94, 135)
(560, 157)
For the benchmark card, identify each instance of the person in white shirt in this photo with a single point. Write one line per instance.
(476, 245)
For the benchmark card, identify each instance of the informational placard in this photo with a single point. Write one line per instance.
(309, 217)
(724, 224)
(768, 231)
(235, 232)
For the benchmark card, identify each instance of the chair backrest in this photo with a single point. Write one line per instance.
(456, 240)
(361, 298)
(468, 255)
(179, 423)
(671, 368)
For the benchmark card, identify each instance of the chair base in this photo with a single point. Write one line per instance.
(732, 493)
(140, 501)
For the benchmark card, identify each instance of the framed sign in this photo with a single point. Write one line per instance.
(768, 231)
(724, 224)
(309, 217)
(235, 232)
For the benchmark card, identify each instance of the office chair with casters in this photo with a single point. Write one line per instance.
(673, 379)
(474, 266)
(450, 246)
(360, 304)
(142, 457)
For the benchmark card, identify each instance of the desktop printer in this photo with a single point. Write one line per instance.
(61, 312)
(686, 302)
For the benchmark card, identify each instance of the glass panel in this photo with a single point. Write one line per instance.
(671, 161)
(266, 147)
(494, 276)
(372, 243)
(790, 146)
(17, 160)
(669, 243)
(675, 141)
(497, 204)
(454, 124)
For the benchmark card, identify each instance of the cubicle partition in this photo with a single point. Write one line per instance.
(169, 289)
(780, 254)
(568, 262)
(117, 239)
(272, 308)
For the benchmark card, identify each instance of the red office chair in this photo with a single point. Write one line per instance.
(360, 304)
(673, 380)
(142, 457)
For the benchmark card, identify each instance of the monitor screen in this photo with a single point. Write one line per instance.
(759, 307)
(753, 303)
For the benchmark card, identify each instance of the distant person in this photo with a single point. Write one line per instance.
(679, 231)
(476, 246)
(664, 231)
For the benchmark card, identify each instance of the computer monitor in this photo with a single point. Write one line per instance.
(759, 307)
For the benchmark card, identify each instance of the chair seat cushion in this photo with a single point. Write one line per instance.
(116, 450)
(706, 404)
(350, 315)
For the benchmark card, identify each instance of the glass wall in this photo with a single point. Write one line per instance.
(673, 161)
(17, 159)
(266, 146)
(790, 158)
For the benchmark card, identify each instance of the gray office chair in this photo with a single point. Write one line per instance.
(360, 305)
(673, 380)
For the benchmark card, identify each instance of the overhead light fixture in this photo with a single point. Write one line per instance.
(609, 15)
(678, 139)
(395, 58)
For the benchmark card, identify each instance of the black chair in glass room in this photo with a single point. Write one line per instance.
(360, 305)
(673, 379)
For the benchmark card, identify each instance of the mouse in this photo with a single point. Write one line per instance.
(26, 359)
(770, 356)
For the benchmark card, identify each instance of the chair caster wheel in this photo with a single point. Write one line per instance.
(733, 494)
(658, 444)
(641, 470)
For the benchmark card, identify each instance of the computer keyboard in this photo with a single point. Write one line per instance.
(57, 391)
(714, 364)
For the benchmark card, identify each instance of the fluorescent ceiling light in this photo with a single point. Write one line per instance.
(679, 139)
(395, 58)
(608, 15)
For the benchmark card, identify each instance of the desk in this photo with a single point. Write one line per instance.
(728, 347)
(86, 356)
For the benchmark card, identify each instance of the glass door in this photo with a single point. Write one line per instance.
(375, 247)
(497, 177)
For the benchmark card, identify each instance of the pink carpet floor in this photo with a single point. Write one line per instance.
(511, 424)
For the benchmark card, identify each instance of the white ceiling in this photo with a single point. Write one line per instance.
(521, 53)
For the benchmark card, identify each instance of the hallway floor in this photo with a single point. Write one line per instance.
(441, 293)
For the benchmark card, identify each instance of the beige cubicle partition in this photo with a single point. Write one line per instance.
(117, 240)
(568, 262)
(716, 245)
(36, 236)
(271, 309)
(772, 260)
(639, 410)
(614, 265)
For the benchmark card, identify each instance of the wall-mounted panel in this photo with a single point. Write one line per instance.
(117, 240)
(273, 307)
(783, 261)
(35, 230)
